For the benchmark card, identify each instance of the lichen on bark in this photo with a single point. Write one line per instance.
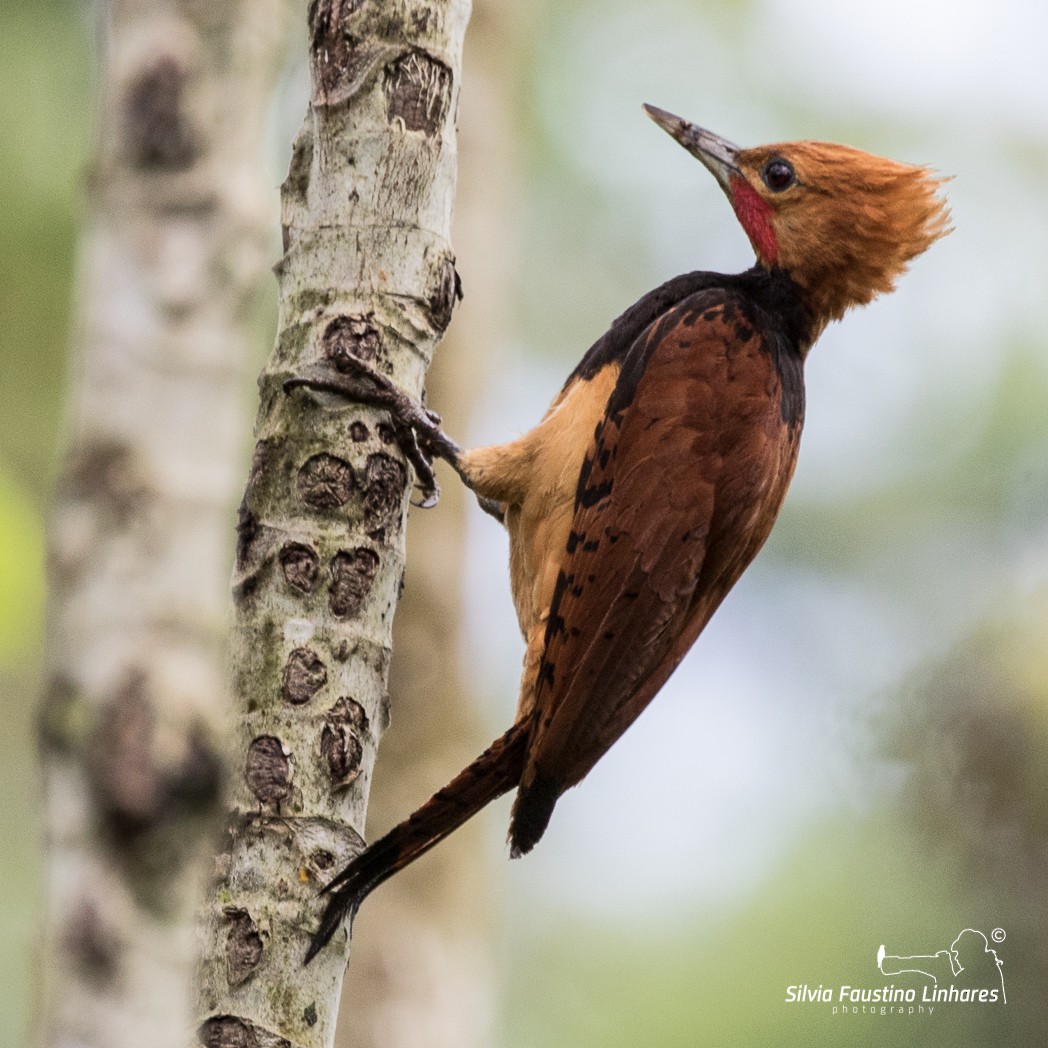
(366, 212)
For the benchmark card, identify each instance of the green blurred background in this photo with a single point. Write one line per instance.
(857, 751)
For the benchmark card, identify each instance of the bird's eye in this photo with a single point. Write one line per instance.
(778, 175)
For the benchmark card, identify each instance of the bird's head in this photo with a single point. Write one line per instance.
(843, 223)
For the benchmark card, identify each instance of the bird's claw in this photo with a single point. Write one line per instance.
(416, 429)
(430, 497)
(407, 440)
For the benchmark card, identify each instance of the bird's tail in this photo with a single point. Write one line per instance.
(531, 814)
(495, 772)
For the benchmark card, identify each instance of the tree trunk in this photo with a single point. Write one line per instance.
(177, 238)
(423, 969)
(367, 271)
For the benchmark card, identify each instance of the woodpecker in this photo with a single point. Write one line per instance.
(656, 474)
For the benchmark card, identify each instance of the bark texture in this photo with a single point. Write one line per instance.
(177, 238)
(367, 270)
(422, 972)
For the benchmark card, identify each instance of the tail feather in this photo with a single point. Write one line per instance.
(495, 772)
(531, 814)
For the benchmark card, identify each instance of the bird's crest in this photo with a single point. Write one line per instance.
(844, 223)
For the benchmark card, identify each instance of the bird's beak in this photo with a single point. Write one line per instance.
(716, 153)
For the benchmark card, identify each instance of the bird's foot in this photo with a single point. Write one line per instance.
(416, 429)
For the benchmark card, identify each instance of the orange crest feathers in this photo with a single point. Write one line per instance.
(849, 222)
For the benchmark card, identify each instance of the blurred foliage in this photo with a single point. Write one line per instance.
(972, 732)
(22, 569)
(44, 108)
(848, 888)
(981, 473)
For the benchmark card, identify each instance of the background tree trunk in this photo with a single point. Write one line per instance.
(177, 237)
(367, 270)
(423, 971)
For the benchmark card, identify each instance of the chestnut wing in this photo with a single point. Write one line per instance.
(671, 505)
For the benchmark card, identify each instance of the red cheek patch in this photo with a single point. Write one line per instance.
(754, 215)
